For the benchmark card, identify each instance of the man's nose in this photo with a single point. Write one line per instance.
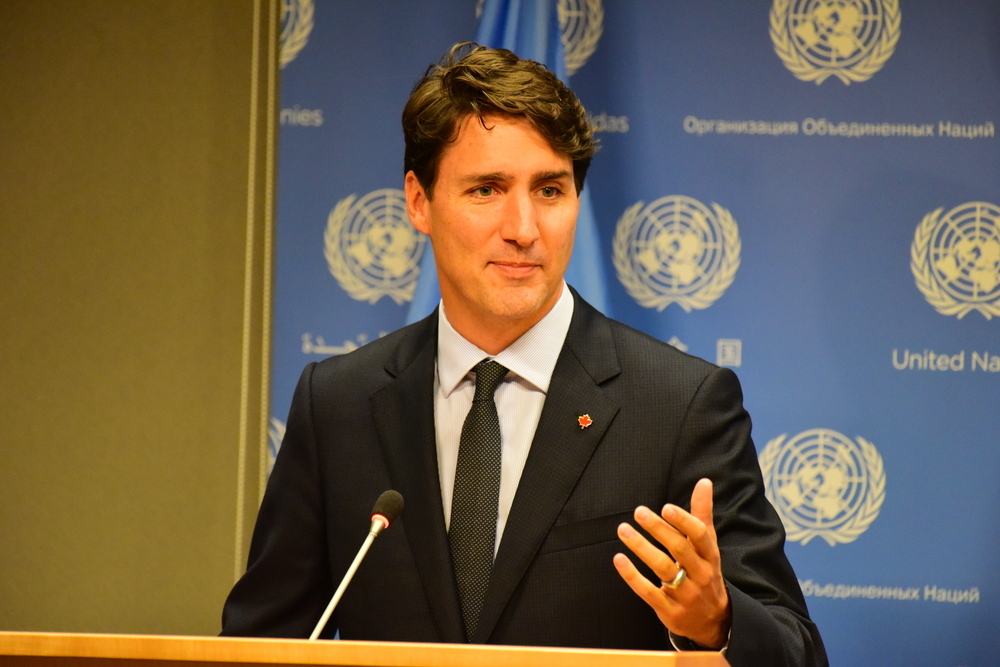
(520, 219)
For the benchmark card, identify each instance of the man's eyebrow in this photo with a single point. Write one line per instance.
(492, 176)
(501, 176)
(551, 175)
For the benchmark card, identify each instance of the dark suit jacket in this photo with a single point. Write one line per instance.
(364, 422)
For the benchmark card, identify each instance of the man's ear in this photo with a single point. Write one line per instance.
(416, 203)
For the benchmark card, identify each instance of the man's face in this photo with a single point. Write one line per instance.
(501, 222)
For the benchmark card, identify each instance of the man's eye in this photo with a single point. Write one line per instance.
(484, 190)
(548, 192)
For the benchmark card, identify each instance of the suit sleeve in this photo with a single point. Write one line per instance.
(287, 583)
(770, 623)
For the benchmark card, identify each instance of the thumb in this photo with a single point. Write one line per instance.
(701, 502)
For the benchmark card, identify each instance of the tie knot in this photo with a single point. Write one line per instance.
(489, 375)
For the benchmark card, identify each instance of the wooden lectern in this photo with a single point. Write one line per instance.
(35, 649)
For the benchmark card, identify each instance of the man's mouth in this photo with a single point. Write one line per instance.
(515, 269)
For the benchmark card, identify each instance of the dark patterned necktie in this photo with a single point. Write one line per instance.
(473, 529)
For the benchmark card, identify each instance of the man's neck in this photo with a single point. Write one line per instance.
(496, 334)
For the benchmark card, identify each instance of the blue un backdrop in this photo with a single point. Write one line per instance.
(807, 191)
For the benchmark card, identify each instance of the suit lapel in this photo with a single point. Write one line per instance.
(559, 453)
(404, 417)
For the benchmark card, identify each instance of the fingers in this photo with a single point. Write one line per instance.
(684, 537)
(701, 501)
(658, 561)
(665, 608)
(698, 525)
(698, 610)
(688, 537)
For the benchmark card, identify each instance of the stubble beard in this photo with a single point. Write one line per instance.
(514, 303)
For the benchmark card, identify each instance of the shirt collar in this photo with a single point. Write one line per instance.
(532, 356)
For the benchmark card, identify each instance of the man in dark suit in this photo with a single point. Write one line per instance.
(586, 424)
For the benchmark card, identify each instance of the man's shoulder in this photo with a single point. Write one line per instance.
(651, 362)
(382, 358)
(634, 347)
(633, 339)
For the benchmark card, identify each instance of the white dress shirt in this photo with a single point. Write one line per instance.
(519, 398)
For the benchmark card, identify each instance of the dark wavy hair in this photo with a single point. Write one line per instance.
(472, 79)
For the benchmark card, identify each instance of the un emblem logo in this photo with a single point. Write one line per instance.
(955, 259)
(296, 24)
(581, 23)
(676, 250)
(371, 247)
(823, 484)
(848, 39)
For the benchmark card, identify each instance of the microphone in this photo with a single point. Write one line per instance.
(388, 506)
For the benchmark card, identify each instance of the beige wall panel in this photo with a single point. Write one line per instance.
(125, 159)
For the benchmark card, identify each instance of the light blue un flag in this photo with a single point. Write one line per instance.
(529, 28)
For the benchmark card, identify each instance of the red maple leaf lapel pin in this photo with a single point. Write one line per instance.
(584, 421)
